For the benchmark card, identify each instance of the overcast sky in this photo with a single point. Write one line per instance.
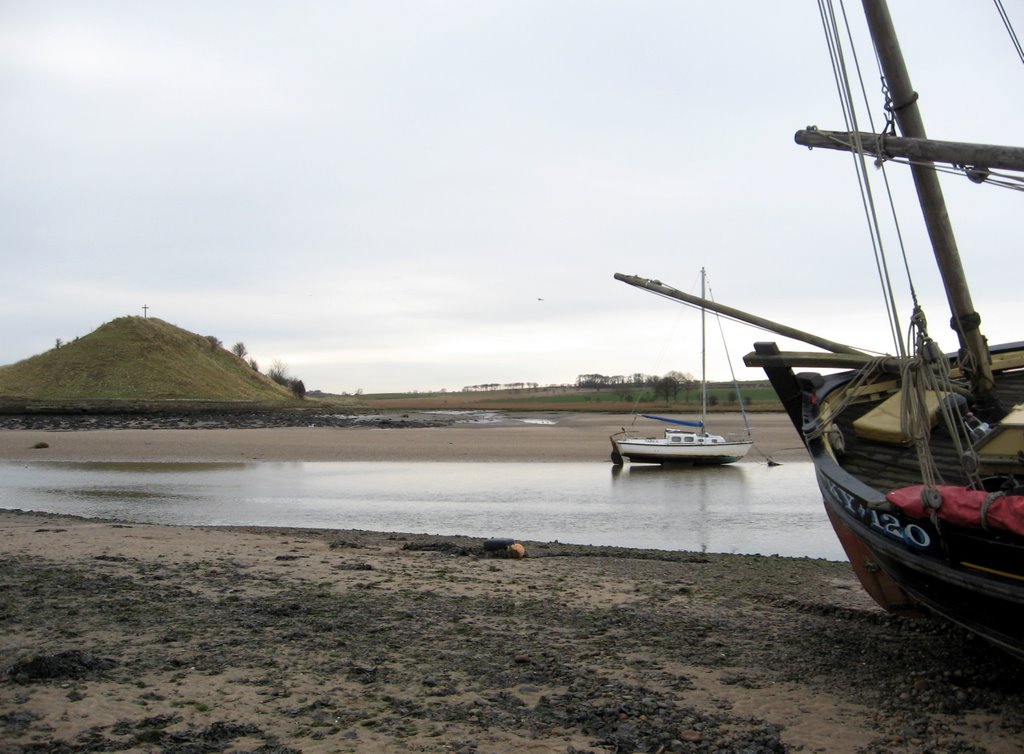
(432, 194)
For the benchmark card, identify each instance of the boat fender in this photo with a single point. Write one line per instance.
(962, 507)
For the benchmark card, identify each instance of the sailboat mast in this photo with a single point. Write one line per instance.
(703, 357)
(965, 321)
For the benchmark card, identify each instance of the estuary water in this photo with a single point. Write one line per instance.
(742, 508)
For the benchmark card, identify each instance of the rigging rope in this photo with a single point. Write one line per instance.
(927, 372)
(842, 81)
(728, 360)
(661, 360)
(1009, 29)
(994, 178)
(864, 375)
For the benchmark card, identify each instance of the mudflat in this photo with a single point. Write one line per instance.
(116, 636)
(534, 436)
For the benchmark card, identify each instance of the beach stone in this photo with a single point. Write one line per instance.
(73, 664)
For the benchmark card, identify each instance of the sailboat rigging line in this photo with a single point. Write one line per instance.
(728, 360)
(993, 178)
(846, 100)
(661, 360)
(918, 377)
(1009, 29)
(1012, 182)
(933, 207)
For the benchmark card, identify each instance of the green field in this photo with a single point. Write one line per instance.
(757, 396)
(716, 396)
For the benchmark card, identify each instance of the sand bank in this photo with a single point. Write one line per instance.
(525, 437)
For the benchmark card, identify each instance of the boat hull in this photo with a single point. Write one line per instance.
(972, 577)
(928, 567)
(656, 450)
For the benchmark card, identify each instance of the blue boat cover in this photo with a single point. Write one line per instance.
(673, 421)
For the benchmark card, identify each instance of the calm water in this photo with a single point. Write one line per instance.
(743, 508)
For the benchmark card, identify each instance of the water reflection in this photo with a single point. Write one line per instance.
(137, 467)
(742, 508)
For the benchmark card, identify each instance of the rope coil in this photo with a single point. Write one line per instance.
(989, 499)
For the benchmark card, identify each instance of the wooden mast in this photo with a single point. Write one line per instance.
(965, 321)
(976, 159)
(840, 356)
(751, 319)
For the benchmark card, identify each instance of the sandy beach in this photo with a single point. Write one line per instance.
(127, 637)
(534, 436)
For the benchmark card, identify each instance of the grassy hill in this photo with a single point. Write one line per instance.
(138, 359)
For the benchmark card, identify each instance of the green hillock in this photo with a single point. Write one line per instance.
(136, 358)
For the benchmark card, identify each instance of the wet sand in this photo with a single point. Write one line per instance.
(524, 437)
(144, 638)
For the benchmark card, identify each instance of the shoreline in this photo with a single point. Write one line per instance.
(170, 639)
(158, 638)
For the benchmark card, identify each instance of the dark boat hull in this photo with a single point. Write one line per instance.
(929, 567)
(974, 578)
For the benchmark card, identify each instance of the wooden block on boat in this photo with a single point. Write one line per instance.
(1001, 449)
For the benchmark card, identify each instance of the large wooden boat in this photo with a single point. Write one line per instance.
(919, 457)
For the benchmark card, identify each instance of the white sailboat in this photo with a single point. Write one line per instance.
(694, 446)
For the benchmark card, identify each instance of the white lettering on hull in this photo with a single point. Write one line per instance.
(886, 523)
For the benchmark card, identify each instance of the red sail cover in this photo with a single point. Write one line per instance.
(963, 507)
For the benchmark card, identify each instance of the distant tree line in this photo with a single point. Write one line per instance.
(501, 386)
(667, 386)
